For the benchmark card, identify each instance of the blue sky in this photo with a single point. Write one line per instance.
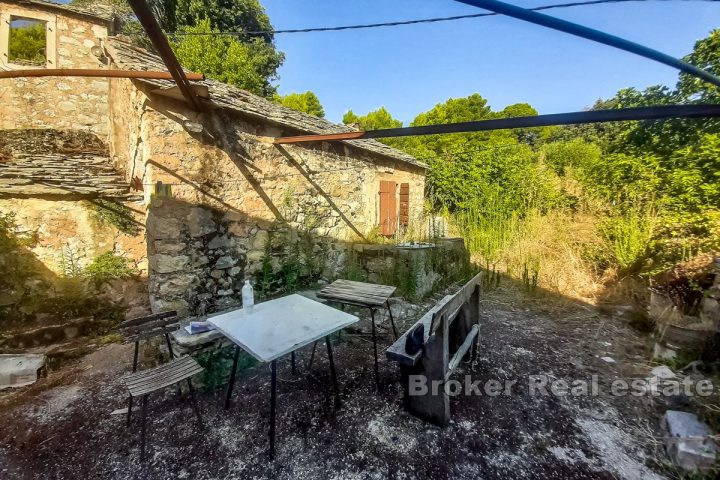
(409, 69)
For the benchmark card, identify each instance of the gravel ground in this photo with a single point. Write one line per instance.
(62, 427)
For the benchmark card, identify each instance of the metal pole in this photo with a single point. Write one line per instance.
(273, 400)
(374, 337)
(333, 373)
(143, 427)
(231, 383)
(392, 320)
(571, 118)
(592, 34)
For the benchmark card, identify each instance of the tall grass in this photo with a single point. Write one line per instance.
(556, 251)
(630, 234)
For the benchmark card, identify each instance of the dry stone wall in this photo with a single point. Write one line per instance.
(231, 204)
(58, 102)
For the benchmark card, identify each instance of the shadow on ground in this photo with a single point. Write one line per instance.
(68, 431)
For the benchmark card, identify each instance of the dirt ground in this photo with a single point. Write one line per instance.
(62, 427)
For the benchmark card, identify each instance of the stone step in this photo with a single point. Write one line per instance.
(48, 334)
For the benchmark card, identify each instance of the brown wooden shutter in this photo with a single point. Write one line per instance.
(404, 204)
(388, 207)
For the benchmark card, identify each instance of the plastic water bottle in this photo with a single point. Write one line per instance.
(248, 296)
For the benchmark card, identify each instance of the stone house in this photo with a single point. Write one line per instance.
(213, 199)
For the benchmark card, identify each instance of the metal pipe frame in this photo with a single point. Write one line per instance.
(573, 118)
(592, 34)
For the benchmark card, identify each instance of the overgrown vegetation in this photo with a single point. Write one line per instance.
(31, 291)
(109, 266)
(573, 208)
(116, 214)
(248, 60)
(306, 102)
(218, 363)
(27, 41)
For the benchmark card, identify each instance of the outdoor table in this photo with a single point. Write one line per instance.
(272, 329)
(360, 294)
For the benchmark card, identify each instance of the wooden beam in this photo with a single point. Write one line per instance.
(162, 46)
(573, 118)
(95, 73)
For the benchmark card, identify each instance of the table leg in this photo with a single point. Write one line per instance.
(273, 398)
(333, 373)
(392, 320)
(231, 384)
(292, 360)
(374, 337)
(312, 357)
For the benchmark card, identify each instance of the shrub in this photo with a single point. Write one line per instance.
(630, 234)
(109, 266)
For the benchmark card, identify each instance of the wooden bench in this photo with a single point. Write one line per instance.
(451, 331)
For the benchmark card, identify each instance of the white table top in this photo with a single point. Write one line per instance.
(277, 327)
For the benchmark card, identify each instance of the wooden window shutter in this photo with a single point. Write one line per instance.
(388, 207)
(404, 217)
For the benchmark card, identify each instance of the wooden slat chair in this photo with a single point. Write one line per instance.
(142, 384)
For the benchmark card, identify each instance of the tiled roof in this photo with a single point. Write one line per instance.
(130, 57)
(99, 11)
(57, 162)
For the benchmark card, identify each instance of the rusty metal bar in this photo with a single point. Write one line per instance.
(319, 138)
(572, 118)
(160, 42)
(95, 73)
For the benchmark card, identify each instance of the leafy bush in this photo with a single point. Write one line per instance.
(630, 234)
(218, 363)
(109, 266)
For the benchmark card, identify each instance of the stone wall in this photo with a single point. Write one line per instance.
(57, 102)
(71, 229)
(248, 190)
(416, 270)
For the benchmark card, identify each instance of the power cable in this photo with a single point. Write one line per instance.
(411, 22)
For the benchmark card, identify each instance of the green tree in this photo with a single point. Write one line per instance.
(248, 61)
(306, 102)
(249, 65)
(706, 55)
(375, 120)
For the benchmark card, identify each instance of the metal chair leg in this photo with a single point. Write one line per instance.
(312, 356)
(143, 428)
(172, 356)
(374, 337)
(130, 399)
(195, 404)
(392, 320)
(273, 399)
(333, 373)
(129, 412)
(231, 384)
